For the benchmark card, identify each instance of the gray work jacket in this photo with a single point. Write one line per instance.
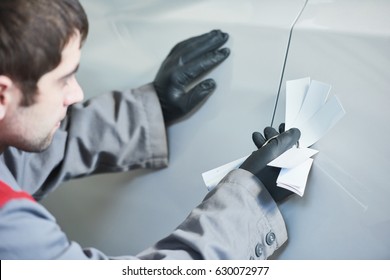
(122, 131)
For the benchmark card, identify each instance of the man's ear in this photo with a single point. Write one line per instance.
(6, 88)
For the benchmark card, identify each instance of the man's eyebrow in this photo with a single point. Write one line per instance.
(70, 73)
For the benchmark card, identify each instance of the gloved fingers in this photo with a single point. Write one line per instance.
(282, 127)
(277, 146)
(197, 46)
(198, 49)
(283, 142)
(183, 44)
(258, 139)
(197, 94)
(201, 65)
(270, 132)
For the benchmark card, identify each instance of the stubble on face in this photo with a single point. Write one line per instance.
(25, 136)
(36, 145)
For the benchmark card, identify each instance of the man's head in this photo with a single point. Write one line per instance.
(40, 43)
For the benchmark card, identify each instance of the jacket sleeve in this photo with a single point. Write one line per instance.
(113, 132)
(236, 220)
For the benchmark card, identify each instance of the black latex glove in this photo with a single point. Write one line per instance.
(257, 162)
(188, 61)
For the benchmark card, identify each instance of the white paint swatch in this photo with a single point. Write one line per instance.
(308, 108)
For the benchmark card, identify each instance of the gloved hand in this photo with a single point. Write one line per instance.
(257, 162)
(188, 61)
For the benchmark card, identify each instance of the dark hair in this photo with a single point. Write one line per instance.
(33, 34)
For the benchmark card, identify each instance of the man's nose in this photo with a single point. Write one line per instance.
(75, 94)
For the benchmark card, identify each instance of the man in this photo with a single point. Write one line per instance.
(46, 138)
